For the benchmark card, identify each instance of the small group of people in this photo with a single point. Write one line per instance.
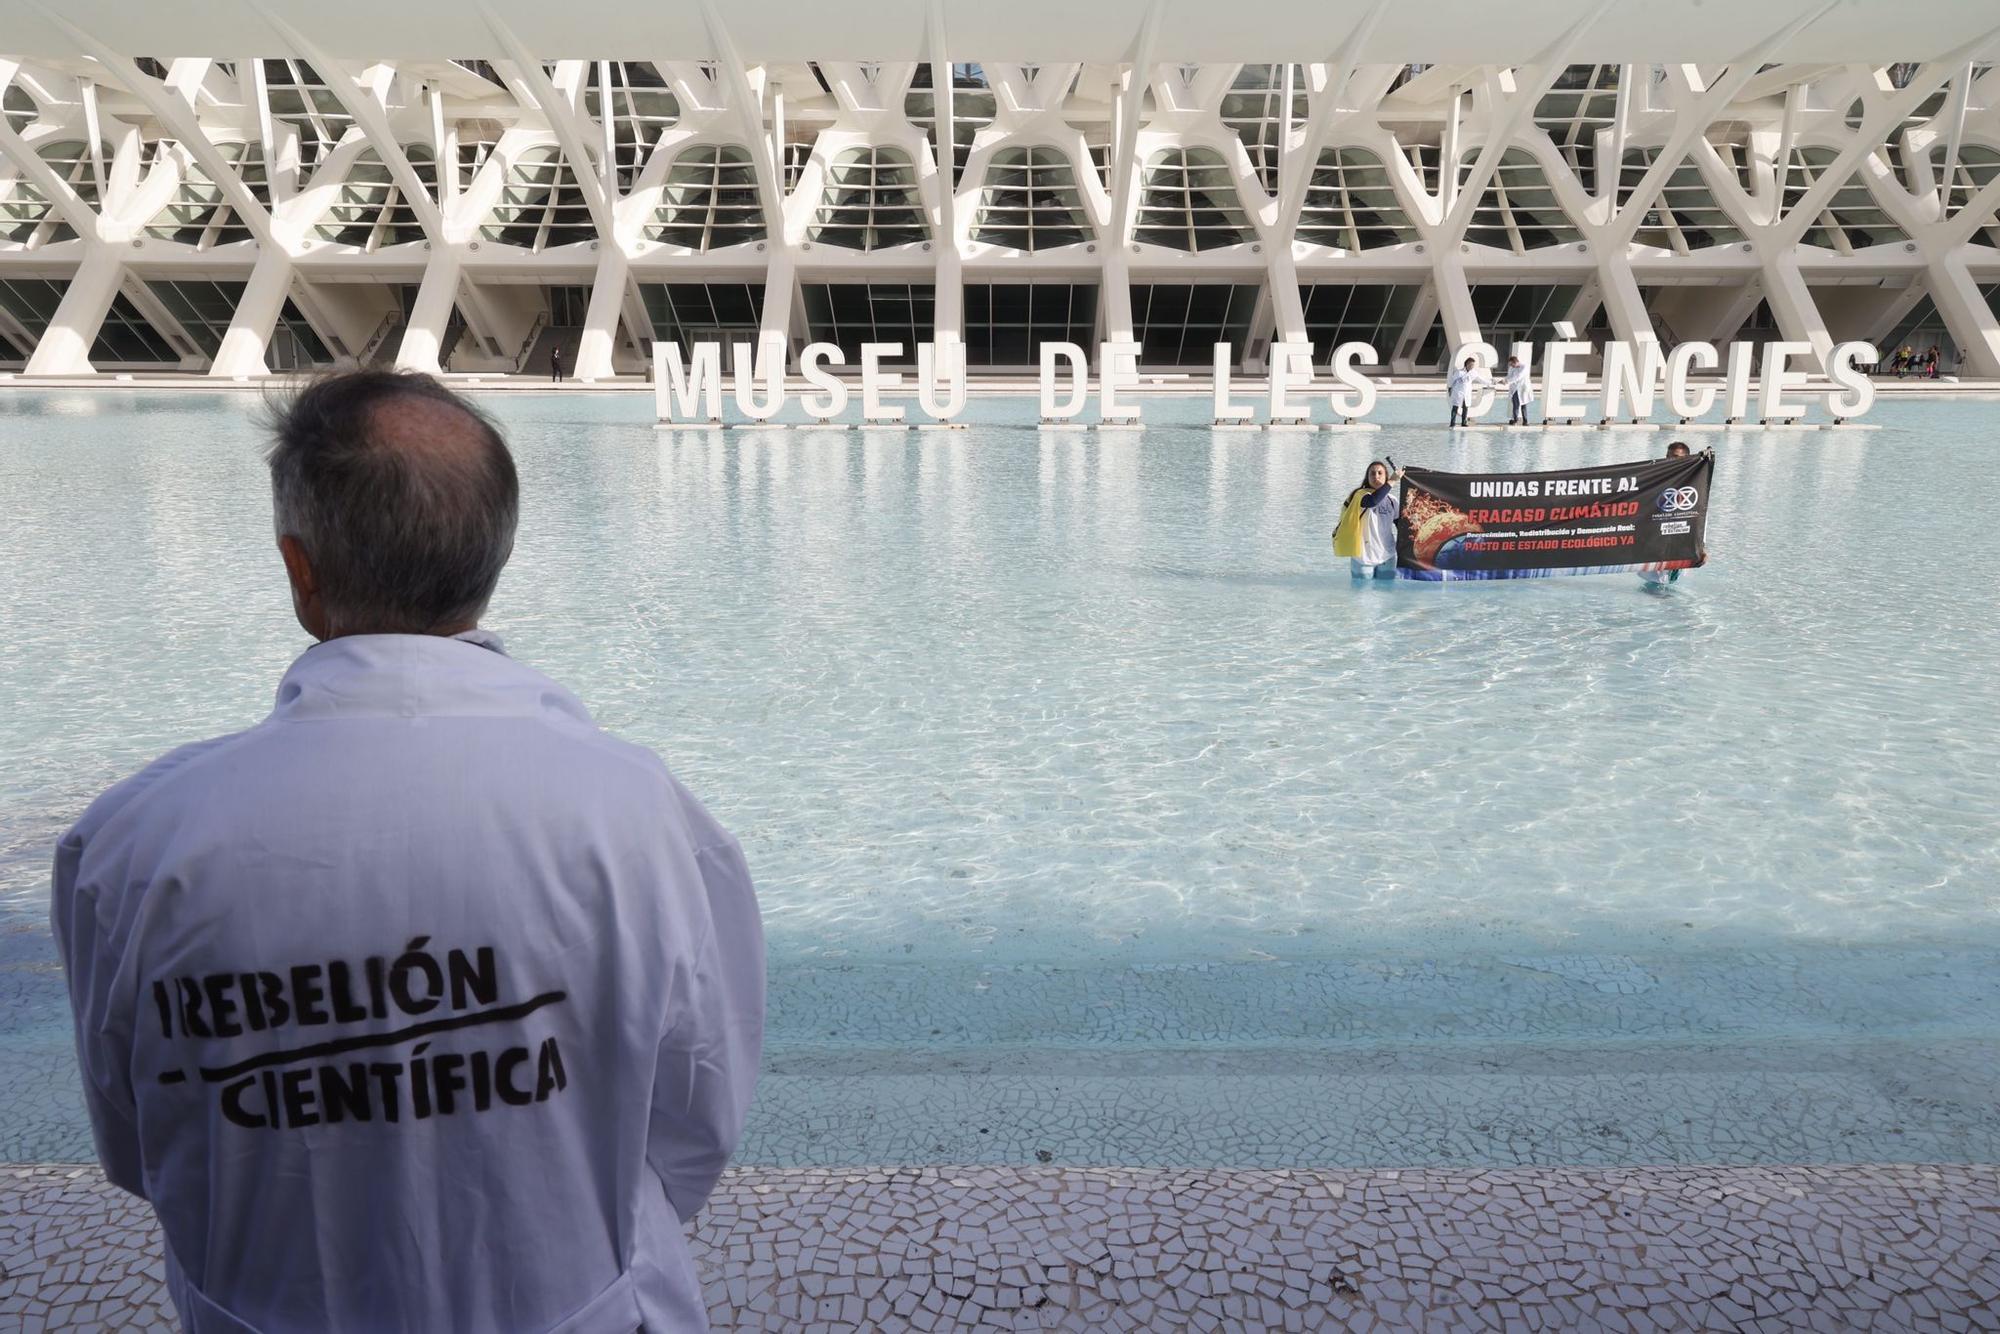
(1367, 531)
(1908, 361)
(1467, 379)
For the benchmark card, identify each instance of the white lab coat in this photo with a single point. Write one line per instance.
(1520, 385)
(1461, 383)
(422, 1005)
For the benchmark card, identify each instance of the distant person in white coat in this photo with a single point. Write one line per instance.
(422, 1004)
(1520, 392)
(1459, 387)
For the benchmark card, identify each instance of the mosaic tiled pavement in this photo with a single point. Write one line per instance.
(1761, 1248)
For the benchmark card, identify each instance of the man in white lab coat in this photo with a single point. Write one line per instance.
(1459, 386)
(423, 1004)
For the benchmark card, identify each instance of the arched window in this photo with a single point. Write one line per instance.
(870, 202)
(1189, 202)
(370, 210)
(1351, 205)
(540, 206)
(710, 200)
(200, 213)
(1029, 201)
(1518, 210)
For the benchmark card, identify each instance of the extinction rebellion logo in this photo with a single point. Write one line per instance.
(1678, 500)
(383, 1074)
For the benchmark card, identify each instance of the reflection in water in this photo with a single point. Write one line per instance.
(1028, 695)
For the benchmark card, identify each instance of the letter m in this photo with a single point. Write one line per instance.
(689, 391)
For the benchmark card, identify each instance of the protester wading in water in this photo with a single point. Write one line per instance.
(1661, 578)
(1367, 532)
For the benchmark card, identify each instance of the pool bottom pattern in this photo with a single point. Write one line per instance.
(1750, 1248)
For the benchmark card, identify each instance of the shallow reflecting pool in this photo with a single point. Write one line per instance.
(1097, 814)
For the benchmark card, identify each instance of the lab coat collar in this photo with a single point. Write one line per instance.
(467, 674)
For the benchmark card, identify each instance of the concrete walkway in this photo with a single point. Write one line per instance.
(1742, 1248)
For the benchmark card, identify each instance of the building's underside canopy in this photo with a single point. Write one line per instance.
(1434, 31)
(247, 185)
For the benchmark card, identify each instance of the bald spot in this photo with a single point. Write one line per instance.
(428, 432)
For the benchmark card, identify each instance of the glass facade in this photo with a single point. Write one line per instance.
(1339, 313)
(870, 202)
(1851, 219)
(1350, 204)
(687, 313)
(540, 206)
(1518, 210)
(710, 201)
(1029, 201)
(1510, 313)
(1007, 323)
(1189, 202)
(1179, 324)
(369, 210)
(850, 314)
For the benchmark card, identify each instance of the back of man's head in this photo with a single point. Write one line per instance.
(402, 496)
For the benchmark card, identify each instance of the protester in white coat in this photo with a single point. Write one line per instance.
(1459, 387)
(1520, 392)
(422, 1004)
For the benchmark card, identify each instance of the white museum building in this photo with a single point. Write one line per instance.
(244, 187)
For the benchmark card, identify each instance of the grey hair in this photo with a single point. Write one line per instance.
(405, 535)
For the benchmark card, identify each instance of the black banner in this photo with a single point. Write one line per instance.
(1648, 515)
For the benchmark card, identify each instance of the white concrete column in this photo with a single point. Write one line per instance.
(248, 340)
(1972, 322)
(781, 284)
(600, 323)
(1288, 311)
(1792, 305)
(64, 348)
(1624, 305)
(1114, 297)
(949, 313)
(436, 295)
(1454, 297)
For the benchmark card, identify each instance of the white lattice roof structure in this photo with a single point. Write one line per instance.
(483, 186)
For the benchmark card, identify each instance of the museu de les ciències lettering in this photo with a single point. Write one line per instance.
(1636, 376)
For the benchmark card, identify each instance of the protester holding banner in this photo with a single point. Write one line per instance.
(1634, 517)
(1661, 578)
(1367, 532)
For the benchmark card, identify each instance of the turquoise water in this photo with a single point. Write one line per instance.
(1096, 813)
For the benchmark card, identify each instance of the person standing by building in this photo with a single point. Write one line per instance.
(1520, 392)
(555, 362)
(1931, 362)
(1459, 387)
(423, 1003)
(1367, 531)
